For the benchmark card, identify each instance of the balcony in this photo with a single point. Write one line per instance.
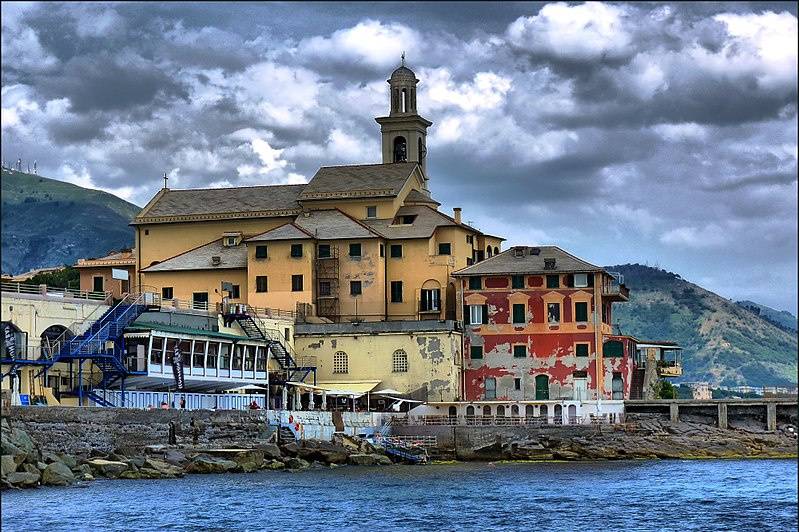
(615, 291)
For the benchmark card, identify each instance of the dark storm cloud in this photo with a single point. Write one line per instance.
(645, 132)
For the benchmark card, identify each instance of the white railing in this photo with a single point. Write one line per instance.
(505, 421)
(44, 290)
(193, 401)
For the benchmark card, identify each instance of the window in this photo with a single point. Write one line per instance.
(260, 252)
(261, 284)
(476, 351)
(400, 361)
(382, 250)
(517, 281)
(407, 219)
(355, 288)
(490, 389)
(324, 288)
(613, 348)
(431, 300)
(469, 261)
(519, 313)
(324, 251)
(478, 314)
(340, 362)
(553, 313)
(549, 264)
(520, 351)
(553, 281)
(445, 248)
(200, 300)
(167, 292)
(371, 211)
(296, 250)
(469, 239)
(355, 250)
(146, 232)
(580, 280)
(475, 283)
(396, 251)
(396, 291)
(236, 292)
(581, 311)
(213, 352)
(296, 283)
(230, 241)
(581, 350)
(517, 385)
(97, 283)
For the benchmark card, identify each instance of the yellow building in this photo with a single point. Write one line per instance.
(97, 275)
(357, 243)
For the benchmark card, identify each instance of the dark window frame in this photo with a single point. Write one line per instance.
(258, 280)
(353, 290)
(321, 254)
(393, 249)
(294, 253)
(355, 246)
(584, 313)
(516, 307)
(295, 284)
(476, 352)
(517, 281)
(475, 283)
(394, 292)
(168, 295)
(553, 281)
(445, 248)
(520, 351)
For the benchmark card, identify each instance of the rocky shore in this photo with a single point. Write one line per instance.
(651, 439)
(26, 465)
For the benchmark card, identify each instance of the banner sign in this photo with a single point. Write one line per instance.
(11, 341)
(177, 367)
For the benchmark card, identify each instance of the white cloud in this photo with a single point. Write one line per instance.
(584, 32)
(487, 90)
(686, 131)
(709, 236)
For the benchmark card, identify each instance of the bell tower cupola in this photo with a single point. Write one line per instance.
(404, 132)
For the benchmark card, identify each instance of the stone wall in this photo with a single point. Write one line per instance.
(83, 430)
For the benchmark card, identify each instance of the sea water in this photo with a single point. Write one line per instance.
(625, 495)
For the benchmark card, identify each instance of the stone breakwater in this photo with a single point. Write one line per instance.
(27, 464)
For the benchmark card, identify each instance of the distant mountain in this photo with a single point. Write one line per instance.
(50, 223)
(781, 318)
(723, 342)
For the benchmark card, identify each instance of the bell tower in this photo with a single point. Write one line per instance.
(404, 131)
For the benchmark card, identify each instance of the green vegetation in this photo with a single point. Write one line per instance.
(665, 390)
(46, 222)
(67, 277)
(723, 342)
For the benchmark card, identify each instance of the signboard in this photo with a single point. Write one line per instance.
(177, 367)
(122, 275)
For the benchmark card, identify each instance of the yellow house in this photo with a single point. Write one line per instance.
(357, 243)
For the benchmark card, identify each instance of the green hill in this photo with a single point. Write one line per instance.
(50, 223)
(723, 342)
(781, 318)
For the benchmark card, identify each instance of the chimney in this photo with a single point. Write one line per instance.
(457, 212)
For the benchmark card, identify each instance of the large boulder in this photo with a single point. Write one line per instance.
(249, 461)
(274, 465)
(107, 468)
(290, 449)
(7, 465)
(175, 458)
(322, 451)
(163, 468)
(23, 479)
(296, 463)
(362, 459)
(270, 450)
(57, 474)
(203, 463)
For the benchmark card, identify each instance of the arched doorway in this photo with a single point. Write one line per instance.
(529, 411)
(558, 416)
(543, 411)
(572, 414)
(453, 411)
(50, 337)
(514, 410)
(501, 411)
(400, 149)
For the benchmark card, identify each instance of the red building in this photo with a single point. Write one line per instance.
(534, 318)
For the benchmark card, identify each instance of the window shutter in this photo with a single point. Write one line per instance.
(485, 314)
(590, 279)
(570, 281)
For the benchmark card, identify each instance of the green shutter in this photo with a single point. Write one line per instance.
(613, 348)
(541, 387)
(474, 283)
(520, 351)
(485, 314)
(581, 311)
(517, 281)
(581, 350)
(553, 281)
(519, 313)
(476, 351)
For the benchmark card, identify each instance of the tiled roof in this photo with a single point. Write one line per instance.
(415, 196)
(201, 258)
(367, 180)
(288, 231)
(526, 260)
(331, 225)
(117, 258)
(423, 226)
(210, 201)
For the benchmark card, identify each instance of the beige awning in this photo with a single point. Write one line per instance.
(348, 387)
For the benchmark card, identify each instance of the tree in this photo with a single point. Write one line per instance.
(664, 390)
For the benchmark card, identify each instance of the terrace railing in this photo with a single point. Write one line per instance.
(44, 290)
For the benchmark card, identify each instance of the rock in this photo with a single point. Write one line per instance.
(49, 458)
(249, 461)
(322, 451)
(274, 465)
(23, 479)
(165, 469)
(41, 466)
(57, 474)
(382, 459)
(362, 459)
(30, 468)
(290, 449)
(146, 472)
(7, 466)
(137, 461)
(130, 474)
(202, 463)
(107, 468)
(270, 450)
(297, 463)
(16, 454)
(175, 458)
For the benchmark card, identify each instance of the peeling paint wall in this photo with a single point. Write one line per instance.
(434, 360)
(549, 349)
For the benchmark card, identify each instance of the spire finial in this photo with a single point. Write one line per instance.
(165, 180)
(403, 58)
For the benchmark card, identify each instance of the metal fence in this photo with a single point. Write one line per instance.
(44, 290)
(506, 421)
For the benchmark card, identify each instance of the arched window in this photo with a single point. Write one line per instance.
(487, 410)
(514, 410)
(400, 149)
(470, 410)
(543, 411)
(400, 361)
(496, 250)
(340, 362)
(529, 411)
(51, 335)
(572, 414)
(488, 251)
(558, 416)
(501, 411)
(404, 108)
(453, 411)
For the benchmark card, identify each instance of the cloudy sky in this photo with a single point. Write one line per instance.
(654, 133)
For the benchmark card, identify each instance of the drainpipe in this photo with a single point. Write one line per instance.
(385, 280)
